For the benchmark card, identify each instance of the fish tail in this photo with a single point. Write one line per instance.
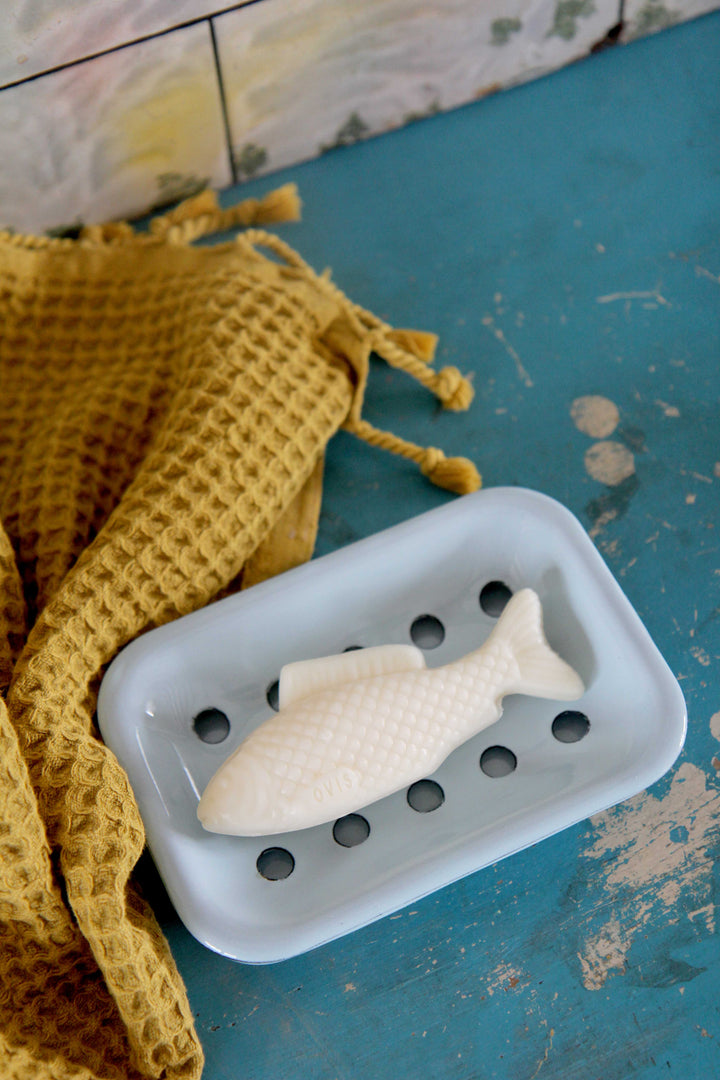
(541, 672)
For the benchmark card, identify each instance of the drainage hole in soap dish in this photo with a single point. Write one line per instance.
(211, 726)
(272, 695)
(425, 796)
(427, 632)
(351, 830)
(498, 761)
(570, 726)
(275, 864)
(493, 598)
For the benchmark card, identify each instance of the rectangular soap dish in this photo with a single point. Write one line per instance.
(176, 702)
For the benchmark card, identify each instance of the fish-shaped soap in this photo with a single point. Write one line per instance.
(354, 728)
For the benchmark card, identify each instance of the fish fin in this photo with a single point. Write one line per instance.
(542, 673)
(305, 677)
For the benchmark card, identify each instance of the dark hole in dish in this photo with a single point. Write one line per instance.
(425, 796)
(275, 864)
(272, 695)
(211, 726)
(570, 726)
(351, 830)
(493, 598)
(427, 632)
(498, 761)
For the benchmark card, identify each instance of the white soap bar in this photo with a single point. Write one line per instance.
(306, 677)
(357, 727)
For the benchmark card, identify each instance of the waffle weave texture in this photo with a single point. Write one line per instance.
(164, 410)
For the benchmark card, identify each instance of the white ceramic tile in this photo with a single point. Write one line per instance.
(303, 75)
(113, 136)
(37, 35)
(643, 17)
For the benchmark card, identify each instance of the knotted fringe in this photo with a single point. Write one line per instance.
(201, 215)
(452, 388)
(418, 342)
(408, 350)
(411, 351)
(192, 219)
(456, 474)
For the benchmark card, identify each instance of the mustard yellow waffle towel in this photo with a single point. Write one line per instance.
(164, 410)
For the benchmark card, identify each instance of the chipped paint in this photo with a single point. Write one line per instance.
(519, 366)
(702, 271)
(715, 725)
(506, 977)
(604, 953)
(546, 1054)
(612, 504)
(636, 294)
(706, 914)
(595, 416)
(609, 462)
(668, 410)
(654, 851)
(696, 475)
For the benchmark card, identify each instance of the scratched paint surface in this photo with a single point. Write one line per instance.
(563, 239)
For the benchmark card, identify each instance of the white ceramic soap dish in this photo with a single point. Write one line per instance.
(176, 702)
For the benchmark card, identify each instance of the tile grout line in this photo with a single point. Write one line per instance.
(129, 44)
(223, 101)
(614, 34)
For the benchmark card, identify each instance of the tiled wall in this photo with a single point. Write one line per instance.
(111, 107)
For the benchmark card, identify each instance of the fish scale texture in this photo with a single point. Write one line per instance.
(386, 726)
(163, 416)
(333, 751)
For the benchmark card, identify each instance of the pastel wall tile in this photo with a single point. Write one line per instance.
(642, 17)
(113, 136)
(38, 35)
(301, 76)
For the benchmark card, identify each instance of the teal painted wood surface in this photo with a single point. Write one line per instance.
(563, 239)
